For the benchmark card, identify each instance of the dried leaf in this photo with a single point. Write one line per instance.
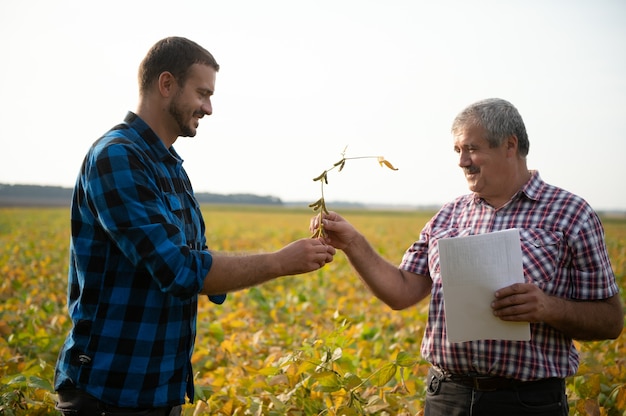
(337, 353)
(620, 398)
(591, 407)
(382, 161)
(375, 405)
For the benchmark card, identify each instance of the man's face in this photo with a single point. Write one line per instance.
(193, 100)
(487, 170)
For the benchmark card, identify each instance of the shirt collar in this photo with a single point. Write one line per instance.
(532, 188)
(151, 139)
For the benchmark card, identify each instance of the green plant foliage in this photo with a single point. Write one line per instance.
(316, 344)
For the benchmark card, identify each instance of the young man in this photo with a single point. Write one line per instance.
(569, 292)
(138, 253)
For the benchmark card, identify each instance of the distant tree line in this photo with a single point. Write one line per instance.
(37, 195)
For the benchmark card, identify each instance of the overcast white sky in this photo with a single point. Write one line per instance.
(300, 80)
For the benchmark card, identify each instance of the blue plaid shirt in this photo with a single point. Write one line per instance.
(138, 259)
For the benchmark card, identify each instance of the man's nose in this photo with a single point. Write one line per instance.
(207, 108)
(464, 159)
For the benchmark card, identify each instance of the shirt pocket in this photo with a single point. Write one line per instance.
(541, 255)
(174, 206)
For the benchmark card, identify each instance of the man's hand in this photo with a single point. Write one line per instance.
(582, 320)
(304, 255)
(522, 302)
(339, 232)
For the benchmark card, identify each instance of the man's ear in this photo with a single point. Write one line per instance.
(512, 144)
(167, 82)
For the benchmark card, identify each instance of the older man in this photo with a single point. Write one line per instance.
(569, 292)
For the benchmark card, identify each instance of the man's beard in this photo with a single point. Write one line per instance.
(179, 116)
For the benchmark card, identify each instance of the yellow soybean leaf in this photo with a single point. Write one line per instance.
(386, 373)
(328, 381)
(405, 359)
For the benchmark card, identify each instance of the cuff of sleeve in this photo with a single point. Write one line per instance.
(218, 299)
(207, 261)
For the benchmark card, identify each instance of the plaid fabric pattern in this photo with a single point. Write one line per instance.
(563, 252)
(138, 259)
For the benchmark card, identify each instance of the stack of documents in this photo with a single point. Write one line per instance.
(472, 269)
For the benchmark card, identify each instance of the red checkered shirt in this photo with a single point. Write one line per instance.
(564, 253)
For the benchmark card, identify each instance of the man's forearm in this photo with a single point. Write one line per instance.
(588, 320)
(230, 273)
(396, 288)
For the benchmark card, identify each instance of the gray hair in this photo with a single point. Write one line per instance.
(499, 118)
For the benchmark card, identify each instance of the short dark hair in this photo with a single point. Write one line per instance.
(175, 55)
(499, 118)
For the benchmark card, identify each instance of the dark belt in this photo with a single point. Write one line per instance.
(494, 383)
(485, 383)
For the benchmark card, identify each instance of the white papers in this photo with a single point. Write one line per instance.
(472, 269)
